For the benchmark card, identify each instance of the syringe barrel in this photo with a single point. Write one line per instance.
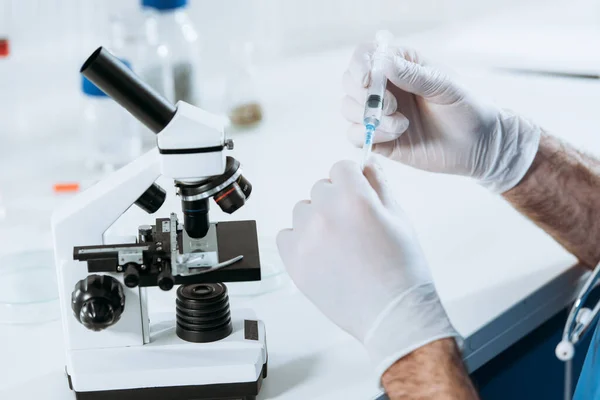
(375, 92)
(116, 80)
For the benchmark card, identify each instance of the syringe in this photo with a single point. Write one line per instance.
(375, 93)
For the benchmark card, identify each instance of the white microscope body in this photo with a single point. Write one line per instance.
(115, 348)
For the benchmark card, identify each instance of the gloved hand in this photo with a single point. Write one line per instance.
(433, 124)
(353, 253)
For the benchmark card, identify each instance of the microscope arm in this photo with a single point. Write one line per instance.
(84, 219)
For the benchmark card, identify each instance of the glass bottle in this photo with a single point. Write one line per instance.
(110, 134)
(172, 62)
(243, 107)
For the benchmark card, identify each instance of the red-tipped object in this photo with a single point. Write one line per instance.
(4, 48)
(66, 187)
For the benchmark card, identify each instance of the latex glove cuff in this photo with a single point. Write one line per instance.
(518, 140)
(411, 321)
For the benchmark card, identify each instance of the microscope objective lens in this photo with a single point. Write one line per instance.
(229, 190)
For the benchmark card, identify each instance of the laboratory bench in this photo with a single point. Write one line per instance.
(499, 276)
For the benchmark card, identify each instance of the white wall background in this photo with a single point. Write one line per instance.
(51, 38)
(301, 25)
(282, 26)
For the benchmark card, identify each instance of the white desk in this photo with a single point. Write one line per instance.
(492, 266)
(549, 36)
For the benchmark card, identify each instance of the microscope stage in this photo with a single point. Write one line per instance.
(234, 238)
(226, 241)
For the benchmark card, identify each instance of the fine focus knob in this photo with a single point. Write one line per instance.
(98, 301)
(131, 277)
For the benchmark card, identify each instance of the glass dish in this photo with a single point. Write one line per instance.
(273, 275)
(28, 288)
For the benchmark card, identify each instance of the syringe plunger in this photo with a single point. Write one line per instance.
(375, 92)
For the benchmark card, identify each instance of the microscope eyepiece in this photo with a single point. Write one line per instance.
(115, 79)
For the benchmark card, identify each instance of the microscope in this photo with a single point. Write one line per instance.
(115, 347)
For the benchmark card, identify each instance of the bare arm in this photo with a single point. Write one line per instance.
(561, 194)
(434, 371)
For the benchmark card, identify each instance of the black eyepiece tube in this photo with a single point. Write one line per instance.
(126, 88)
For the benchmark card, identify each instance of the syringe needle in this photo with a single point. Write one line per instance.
(367, 146)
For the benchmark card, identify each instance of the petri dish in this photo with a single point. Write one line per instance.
(28, 284)
(273, 275)
(28, 288)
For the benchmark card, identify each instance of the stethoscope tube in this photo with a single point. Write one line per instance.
(580, 319)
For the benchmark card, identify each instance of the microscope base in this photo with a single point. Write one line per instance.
(168, 367)
(232, 391)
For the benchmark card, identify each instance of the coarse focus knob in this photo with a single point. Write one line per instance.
(98, 301)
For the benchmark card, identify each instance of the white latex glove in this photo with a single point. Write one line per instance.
(353, 253)
(433, 124)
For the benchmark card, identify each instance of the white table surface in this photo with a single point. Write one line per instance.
(490, 264)
(549, 36)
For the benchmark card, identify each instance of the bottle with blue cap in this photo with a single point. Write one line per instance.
(111, 136)
(172, 66)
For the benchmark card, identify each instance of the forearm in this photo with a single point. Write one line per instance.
(434, 371)
(561, 194)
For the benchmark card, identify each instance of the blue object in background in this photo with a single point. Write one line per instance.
(164, 5)
(88, 88)
(588, 387)
(529, 369)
